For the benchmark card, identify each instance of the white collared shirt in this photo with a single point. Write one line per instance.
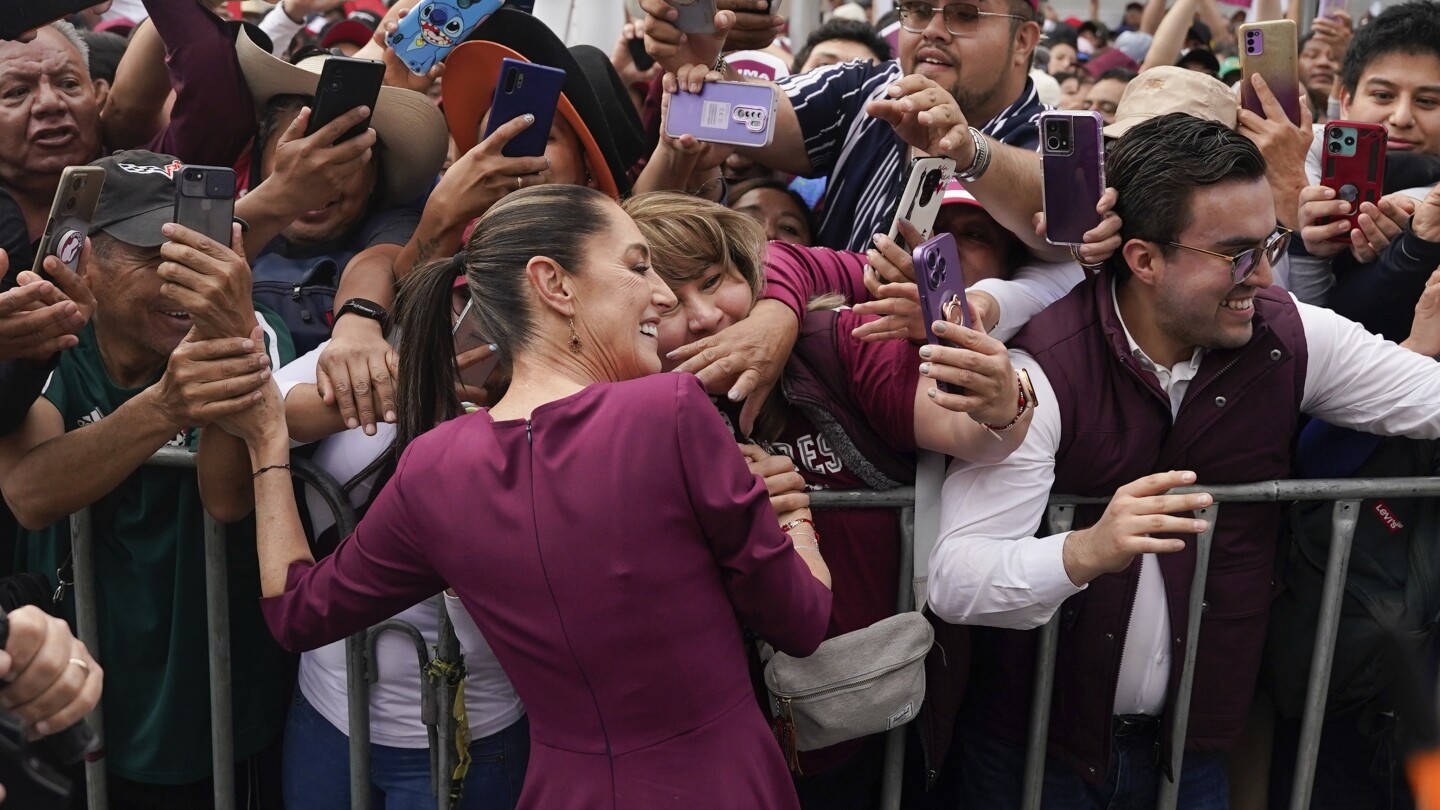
(988, 568)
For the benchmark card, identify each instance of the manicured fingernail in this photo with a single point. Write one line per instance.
(925, 369)
(494, 347)
(529, 118)
(927, 351)
(734, 395)
(939, 327)
(932, 393)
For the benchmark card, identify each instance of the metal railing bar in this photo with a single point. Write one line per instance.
(1061, 517)
(87, 627)
(217, 618)
(1170, 788)
(892, 773)
(1342, 527)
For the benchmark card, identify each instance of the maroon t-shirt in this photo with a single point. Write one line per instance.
(861, 546)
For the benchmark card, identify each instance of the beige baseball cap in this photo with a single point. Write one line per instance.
(1163, 90)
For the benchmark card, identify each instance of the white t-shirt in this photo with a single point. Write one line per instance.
(490, 701)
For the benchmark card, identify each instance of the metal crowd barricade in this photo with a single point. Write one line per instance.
(1347, 495)
(361, 670)
(902, 499)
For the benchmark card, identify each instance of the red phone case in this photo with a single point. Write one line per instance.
(1356, 176)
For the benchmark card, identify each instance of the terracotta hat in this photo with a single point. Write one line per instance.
(406, 122)
(594, 101)
(1163, 90)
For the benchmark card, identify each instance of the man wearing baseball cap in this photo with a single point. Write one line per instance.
(173, 314)
(959, 88)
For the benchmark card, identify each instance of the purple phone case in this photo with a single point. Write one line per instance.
(942, 287)
(1074, 179)
(734, 113)
(536, 90)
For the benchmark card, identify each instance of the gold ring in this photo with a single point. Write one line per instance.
(80, 662)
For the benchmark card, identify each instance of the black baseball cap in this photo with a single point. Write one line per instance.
(138, 198)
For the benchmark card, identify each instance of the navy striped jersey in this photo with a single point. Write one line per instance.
(863, 158)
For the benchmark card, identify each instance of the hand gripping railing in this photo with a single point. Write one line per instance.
(1347, 494)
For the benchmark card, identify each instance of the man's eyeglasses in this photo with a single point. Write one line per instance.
(961, 19)
(1244, 263)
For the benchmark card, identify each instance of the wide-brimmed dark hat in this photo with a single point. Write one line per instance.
(594, 102)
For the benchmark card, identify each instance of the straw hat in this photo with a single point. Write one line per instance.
(406, 122)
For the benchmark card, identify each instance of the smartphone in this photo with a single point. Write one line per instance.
(696, 16)
(1072, 165)
(734, 113)
(771, 7)
(1329, 7)
(1353, 163)
(525, 87)
(1269, 48)
(70, 215)
(641, 57)
(432, 29)
(346, 83)
(24, 15)
(205, 201)
(922, 197)
(467, 337)
(942, 288)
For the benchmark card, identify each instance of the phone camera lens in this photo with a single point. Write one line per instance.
(1054, 142)
(70, 203)
(1349, 141)
(932, 260)
(1334, 146)
(192, 175)
(76, 184)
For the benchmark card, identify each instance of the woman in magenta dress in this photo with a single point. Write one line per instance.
(597, 522)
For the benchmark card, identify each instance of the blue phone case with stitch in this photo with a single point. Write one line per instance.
(432, 29)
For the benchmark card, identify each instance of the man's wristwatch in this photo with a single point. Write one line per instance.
(981, 161)
(365, 309)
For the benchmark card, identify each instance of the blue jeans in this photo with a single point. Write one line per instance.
(317, 767)
(993, 776)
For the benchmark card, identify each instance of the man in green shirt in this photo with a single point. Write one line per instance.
(175, 341)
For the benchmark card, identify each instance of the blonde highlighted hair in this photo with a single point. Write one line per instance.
(688, 235)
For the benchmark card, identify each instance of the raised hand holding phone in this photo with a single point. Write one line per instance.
(76, 197)
(732, 113)
(433, 28)
(345, 84)
(1072, 165)
(525, 88)
(1269, 49)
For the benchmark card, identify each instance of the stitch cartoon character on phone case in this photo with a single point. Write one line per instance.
(432, 29)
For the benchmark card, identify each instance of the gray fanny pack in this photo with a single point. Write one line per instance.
(854, 685)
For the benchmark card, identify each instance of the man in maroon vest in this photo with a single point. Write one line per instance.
(1176, 363)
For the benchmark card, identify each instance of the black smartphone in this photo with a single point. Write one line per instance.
(346, 83)
(771, 7)
(638, 54)
(205, 201)
(23, 15)
(526, 87)
(70, 215)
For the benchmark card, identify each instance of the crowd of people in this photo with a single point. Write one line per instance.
(472, 344)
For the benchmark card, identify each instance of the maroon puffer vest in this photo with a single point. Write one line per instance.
(1234, 426)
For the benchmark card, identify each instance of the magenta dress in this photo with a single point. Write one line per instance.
(610, 548)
